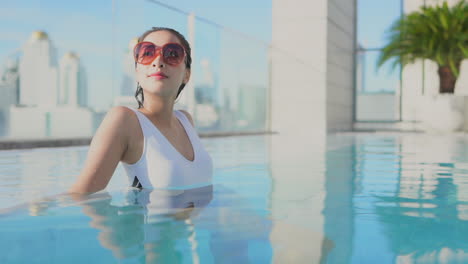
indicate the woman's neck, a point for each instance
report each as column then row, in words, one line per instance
column 159, row 110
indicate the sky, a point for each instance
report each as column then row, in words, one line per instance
column 374, row 19
column 100, row 35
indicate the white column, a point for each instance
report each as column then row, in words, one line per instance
column 298, row 113
column 298, row 70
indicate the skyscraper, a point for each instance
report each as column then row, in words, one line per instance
column 128, row 85
column 38, row 71
column 73, row 88
column 9, row 82
column 205, row 90
column 46, row 109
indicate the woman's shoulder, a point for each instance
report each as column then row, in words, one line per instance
column 121, row 115
column 189, row 117
column 120, row 112
column 119, row 123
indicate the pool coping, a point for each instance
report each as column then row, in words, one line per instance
column 8, row 144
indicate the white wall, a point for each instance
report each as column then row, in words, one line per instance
column 51, row 122
column 27, row 122
column 312, row 84
column 312, row 75
column 298, row 113
column 340, row 64
column 298, row 70
column 379, row 106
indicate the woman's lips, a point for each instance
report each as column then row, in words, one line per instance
column 158, row 75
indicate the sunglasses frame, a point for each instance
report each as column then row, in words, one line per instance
column 158, row 50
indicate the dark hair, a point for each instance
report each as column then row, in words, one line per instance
column 188, row 58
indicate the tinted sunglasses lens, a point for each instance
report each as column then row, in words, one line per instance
column 173, row 54
column 145, row 52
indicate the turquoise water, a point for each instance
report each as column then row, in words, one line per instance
column 352, row 198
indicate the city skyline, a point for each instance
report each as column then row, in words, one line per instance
column 46, row 84
column 43, row 80
column 111, row 20
column 42, row 93
column 101, row 34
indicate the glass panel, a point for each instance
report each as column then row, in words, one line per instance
column 371, row 79
column 243, row 83
column 374, row 18
column 59, row 79
column 205, row 76
column 377, row 89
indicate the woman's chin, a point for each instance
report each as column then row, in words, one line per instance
column 158, row 91
column 154, row 88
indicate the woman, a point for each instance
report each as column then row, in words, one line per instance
column 158, row 147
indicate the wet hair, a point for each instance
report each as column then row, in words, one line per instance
column 188, row 58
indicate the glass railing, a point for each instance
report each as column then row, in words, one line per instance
column 59, row 80
column 377, row 91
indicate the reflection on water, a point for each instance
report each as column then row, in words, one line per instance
column 410, row 219
column 145, row 226
column 202, row 225
column 150, row 225
column 362, row 198
column 401, row 199
column 298, row 176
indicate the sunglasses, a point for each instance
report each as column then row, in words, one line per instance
column 172, row 53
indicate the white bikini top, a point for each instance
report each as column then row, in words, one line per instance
column 161, row 165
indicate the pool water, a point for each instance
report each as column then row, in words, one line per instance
column 352, row 198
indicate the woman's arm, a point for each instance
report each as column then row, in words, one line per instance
column 107, row 148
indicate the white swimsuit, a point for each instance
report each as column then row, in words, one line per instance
column 162, row 166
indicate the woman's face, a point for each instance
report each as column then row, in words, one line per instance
column 167, row 86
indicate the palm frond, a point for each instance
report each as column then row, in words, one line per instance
column 438, row 33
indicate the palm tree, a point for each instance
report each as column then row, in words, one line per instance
column 437, row 33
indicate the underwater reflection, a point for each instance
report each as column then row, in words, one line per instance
column 180, row 226
column 431, row 225
column 150, row 225
column 200, row 225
